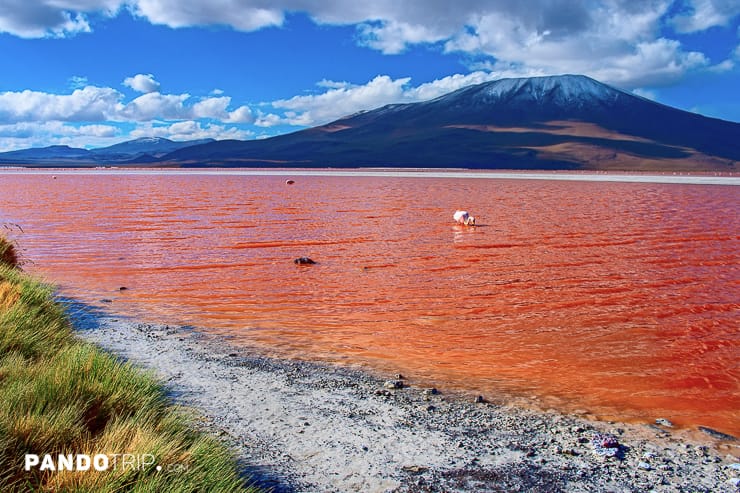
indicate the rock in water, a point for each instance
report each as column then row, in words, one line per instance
column 717, row 434
column 303, row 261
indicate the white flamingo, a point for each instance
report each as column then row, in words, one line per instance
column 463, row 217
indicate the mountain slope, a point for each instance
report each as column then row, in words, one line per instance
column 567, row 122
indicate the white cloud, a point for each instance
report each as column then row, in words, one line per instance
column 215, row 108
column 703, row 14
column 142, row 83
column 239, row 14
column 439, row 87
column 646, row 93
column 35, row 134
column 78, row 82
column 392, row 37
column 89, row 115
column 99, row 104
column 51, row 18
column 333, row 84
column 190, row 130
column 240, row 115
column 267, row 120
column 155, row 105
column 723, row 66
column 597, row 38
column 652, row 63
column 342, row 99
column 92, row 104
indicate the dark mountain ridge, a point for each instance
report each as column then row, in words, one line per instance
column 139, row 150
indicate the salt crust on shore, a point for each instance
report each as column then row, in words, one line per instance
column 302, row 426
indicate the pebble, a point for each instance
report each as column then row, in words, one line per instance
column 664, row 422
column 479, row 399
column 644, row 465
column 393, row 384
column 431, row 391
column 702, row 450
column 605, row 445
column 735, row 466
column 734, row 481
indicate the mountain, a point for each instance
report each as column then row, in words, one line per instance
column 61, row 154
column 151, row 146
column 143, row 150
column 557, row 122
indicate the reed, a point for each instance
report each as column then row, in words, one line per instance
column 60, row 395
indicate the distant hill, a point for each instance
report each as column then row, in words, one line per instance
column 146, row 149
column 558, row 122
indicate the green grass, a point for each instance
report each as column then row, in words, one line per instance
column 59, row 395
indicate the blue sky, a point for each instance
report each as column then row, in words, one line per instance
column 89, row 73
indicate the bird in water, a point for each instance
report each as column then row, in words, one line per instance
column 463, row 217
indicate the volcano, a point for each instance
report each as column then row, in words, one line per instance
column 557, row 122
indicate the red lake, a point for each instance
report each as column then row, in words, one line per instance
column 619, row 299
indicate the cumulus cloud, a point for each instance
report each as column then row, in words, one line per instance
column 155, row 105
column 91, row 104
column 142, row 83
column 103, row 104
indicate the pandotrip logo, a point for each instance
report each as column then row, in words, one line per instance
column 96, row 462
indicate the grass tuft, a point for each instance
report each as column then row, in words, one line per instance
column 60, row 395
column 8, row 253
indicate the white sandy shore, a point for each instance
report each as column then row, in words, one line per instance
column 593, row 176
column 301, row 426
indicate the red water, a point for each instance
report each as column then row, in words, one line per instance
column 620, row 299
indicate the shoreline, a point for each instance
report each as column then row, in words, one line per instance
column 305, row 426
column 729, row 178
